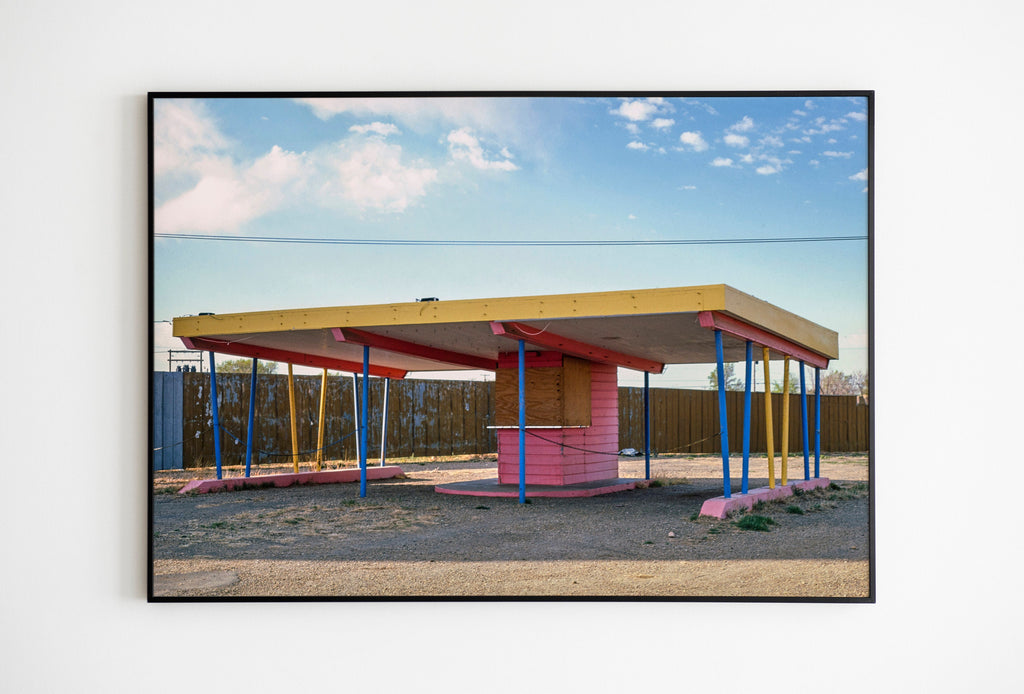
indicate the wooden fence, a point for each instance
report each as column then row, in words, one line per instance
column 686, row 421
column 427, row 418
column 424, row 418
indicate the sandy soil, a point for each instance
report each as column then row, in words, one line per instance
column 405, row 540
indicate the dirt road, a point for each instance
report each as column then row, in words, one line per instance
column 406, row 540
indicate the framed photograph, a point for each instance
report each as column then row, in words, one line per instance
column 511, row 346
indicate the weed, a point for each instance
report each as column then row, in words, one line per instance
column 483, row 508
column 793, row 508
column 797, row 491
column 758, row 505
column 648, row 542
column 834, row 486
column 714, row 530
column 668, row 481
column 695, row 515
column 754, row 522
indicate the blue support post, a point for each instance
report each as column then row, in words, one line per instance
column 803, row 413
column 355, row 411
column 522, row 422
column 723, row 416
column 817, row 422
column 216, row 415
column 647, row 425
column 252, row 418
column 746, row 417
column 364, row 421
column 384, row 422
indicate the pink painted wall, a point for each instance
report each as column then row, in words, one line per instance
column 550, row 463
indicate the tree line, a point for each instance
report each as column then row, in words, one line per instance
column 832, row 382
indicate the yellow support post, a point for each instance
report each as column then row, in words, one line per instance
column 785, row 420
column 769, row 430
column 291, row 414
column 320, row 422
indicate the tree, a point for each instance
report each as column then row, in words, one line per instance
column 794, row 383
column 839, row 383
column 244, row 366
column 732, row 381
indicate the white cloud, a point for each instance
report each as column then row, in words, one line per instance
column 185, row 137
column 861, row 175
column 374, row 177
column 632, row 216
column 837, row 155
column 276, row 168
column 700, row 104
column 465, row 146
column 632, row 128
column 418, row 112
column 800, row 113
column 637, row 145
column 376, row 128
column 734, row 140
column 824, row 127
column 694, row 140
column 662, row 123
column 856, row 115
column 809, row 104
column 772, row 141
column 814, row 162
column 745, row 124
column 687, row 187
column 747, row 158
column 639, row 110
column 224, row 200
column 208, row 189
column 768, row 170
column 722, row 161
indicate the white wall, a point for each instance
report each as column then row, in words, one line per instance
column 73, row 277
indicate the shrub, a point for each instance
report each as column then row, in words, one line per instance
column 754, row 522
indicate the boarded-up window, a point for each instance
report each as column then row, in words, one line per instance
column 555, row 395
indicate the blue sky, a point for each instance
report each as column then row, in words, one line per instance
column 543, row 168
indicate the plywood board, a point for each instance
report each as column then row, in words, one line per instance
column 576, row 404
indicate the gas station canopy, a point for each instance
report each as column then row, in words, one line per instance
column 643, row 329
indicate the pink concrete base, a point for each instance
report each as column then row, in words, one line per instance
column 720, row 507
column 288, row 479
column 493, row 488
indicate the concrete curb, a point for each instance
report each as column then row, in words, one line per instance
column 289, row 479
column 720, row 507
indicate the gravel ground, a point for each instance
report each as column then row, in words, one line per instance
column 405, row 540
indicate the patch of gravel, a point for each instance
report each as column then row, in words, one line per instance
column 404, row 539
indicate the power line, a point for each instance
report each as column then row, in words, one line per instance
column 504, row 242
